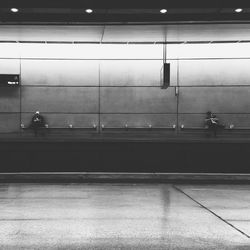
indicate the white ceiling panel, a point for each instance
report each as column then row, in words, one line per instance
column 51, row 33
column 125, row 33
column 134, row 33
column 208, row 32
column 177, row 33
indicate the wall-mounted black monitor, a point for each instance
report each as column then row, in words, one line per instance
column 9, row 80
column 165, row 76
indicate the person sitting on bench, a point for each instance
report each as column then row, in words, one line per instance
column 37, row 122
column 212, row 123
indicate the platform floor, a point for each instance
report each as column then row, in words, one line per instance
column 124, row 216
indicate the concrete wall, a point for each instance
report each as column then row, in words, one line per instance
column 118, row 84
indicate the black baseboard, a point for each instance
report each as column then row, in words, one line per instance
column 125, row 156
column 90, row 177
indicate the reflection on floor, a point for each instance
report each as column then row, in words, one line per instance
column 124, row 216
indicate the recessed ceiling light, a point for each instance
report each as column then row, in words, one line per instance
column 238, row 10
column 14, row 10
column 89, row 11
column 163, row 11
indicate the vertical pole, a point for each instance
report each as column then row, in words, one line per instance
column 165, row 46
column 177, row 108
column 99, row 88
column 20, row 89
column 99, row 99
column 165, row 67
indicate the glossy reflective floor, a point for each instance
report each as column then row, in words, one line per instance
column 124, row 216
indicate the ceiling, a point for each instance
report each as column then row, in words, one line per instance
column 171, row 33
column 123, row 11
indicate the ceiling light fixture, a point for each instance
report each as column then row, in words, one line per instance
column 163, row 11
column 238, row 10
column 14, row 10
column 89, row 11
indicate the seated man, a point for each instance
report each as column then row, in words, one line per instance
column 212, row 123
column 37, row 122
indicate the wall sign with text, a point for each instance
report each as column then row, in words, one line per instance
column 9, row 80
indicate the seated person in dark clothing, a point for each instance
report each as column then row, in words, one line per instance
column 37, row 122
column 212, row 123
